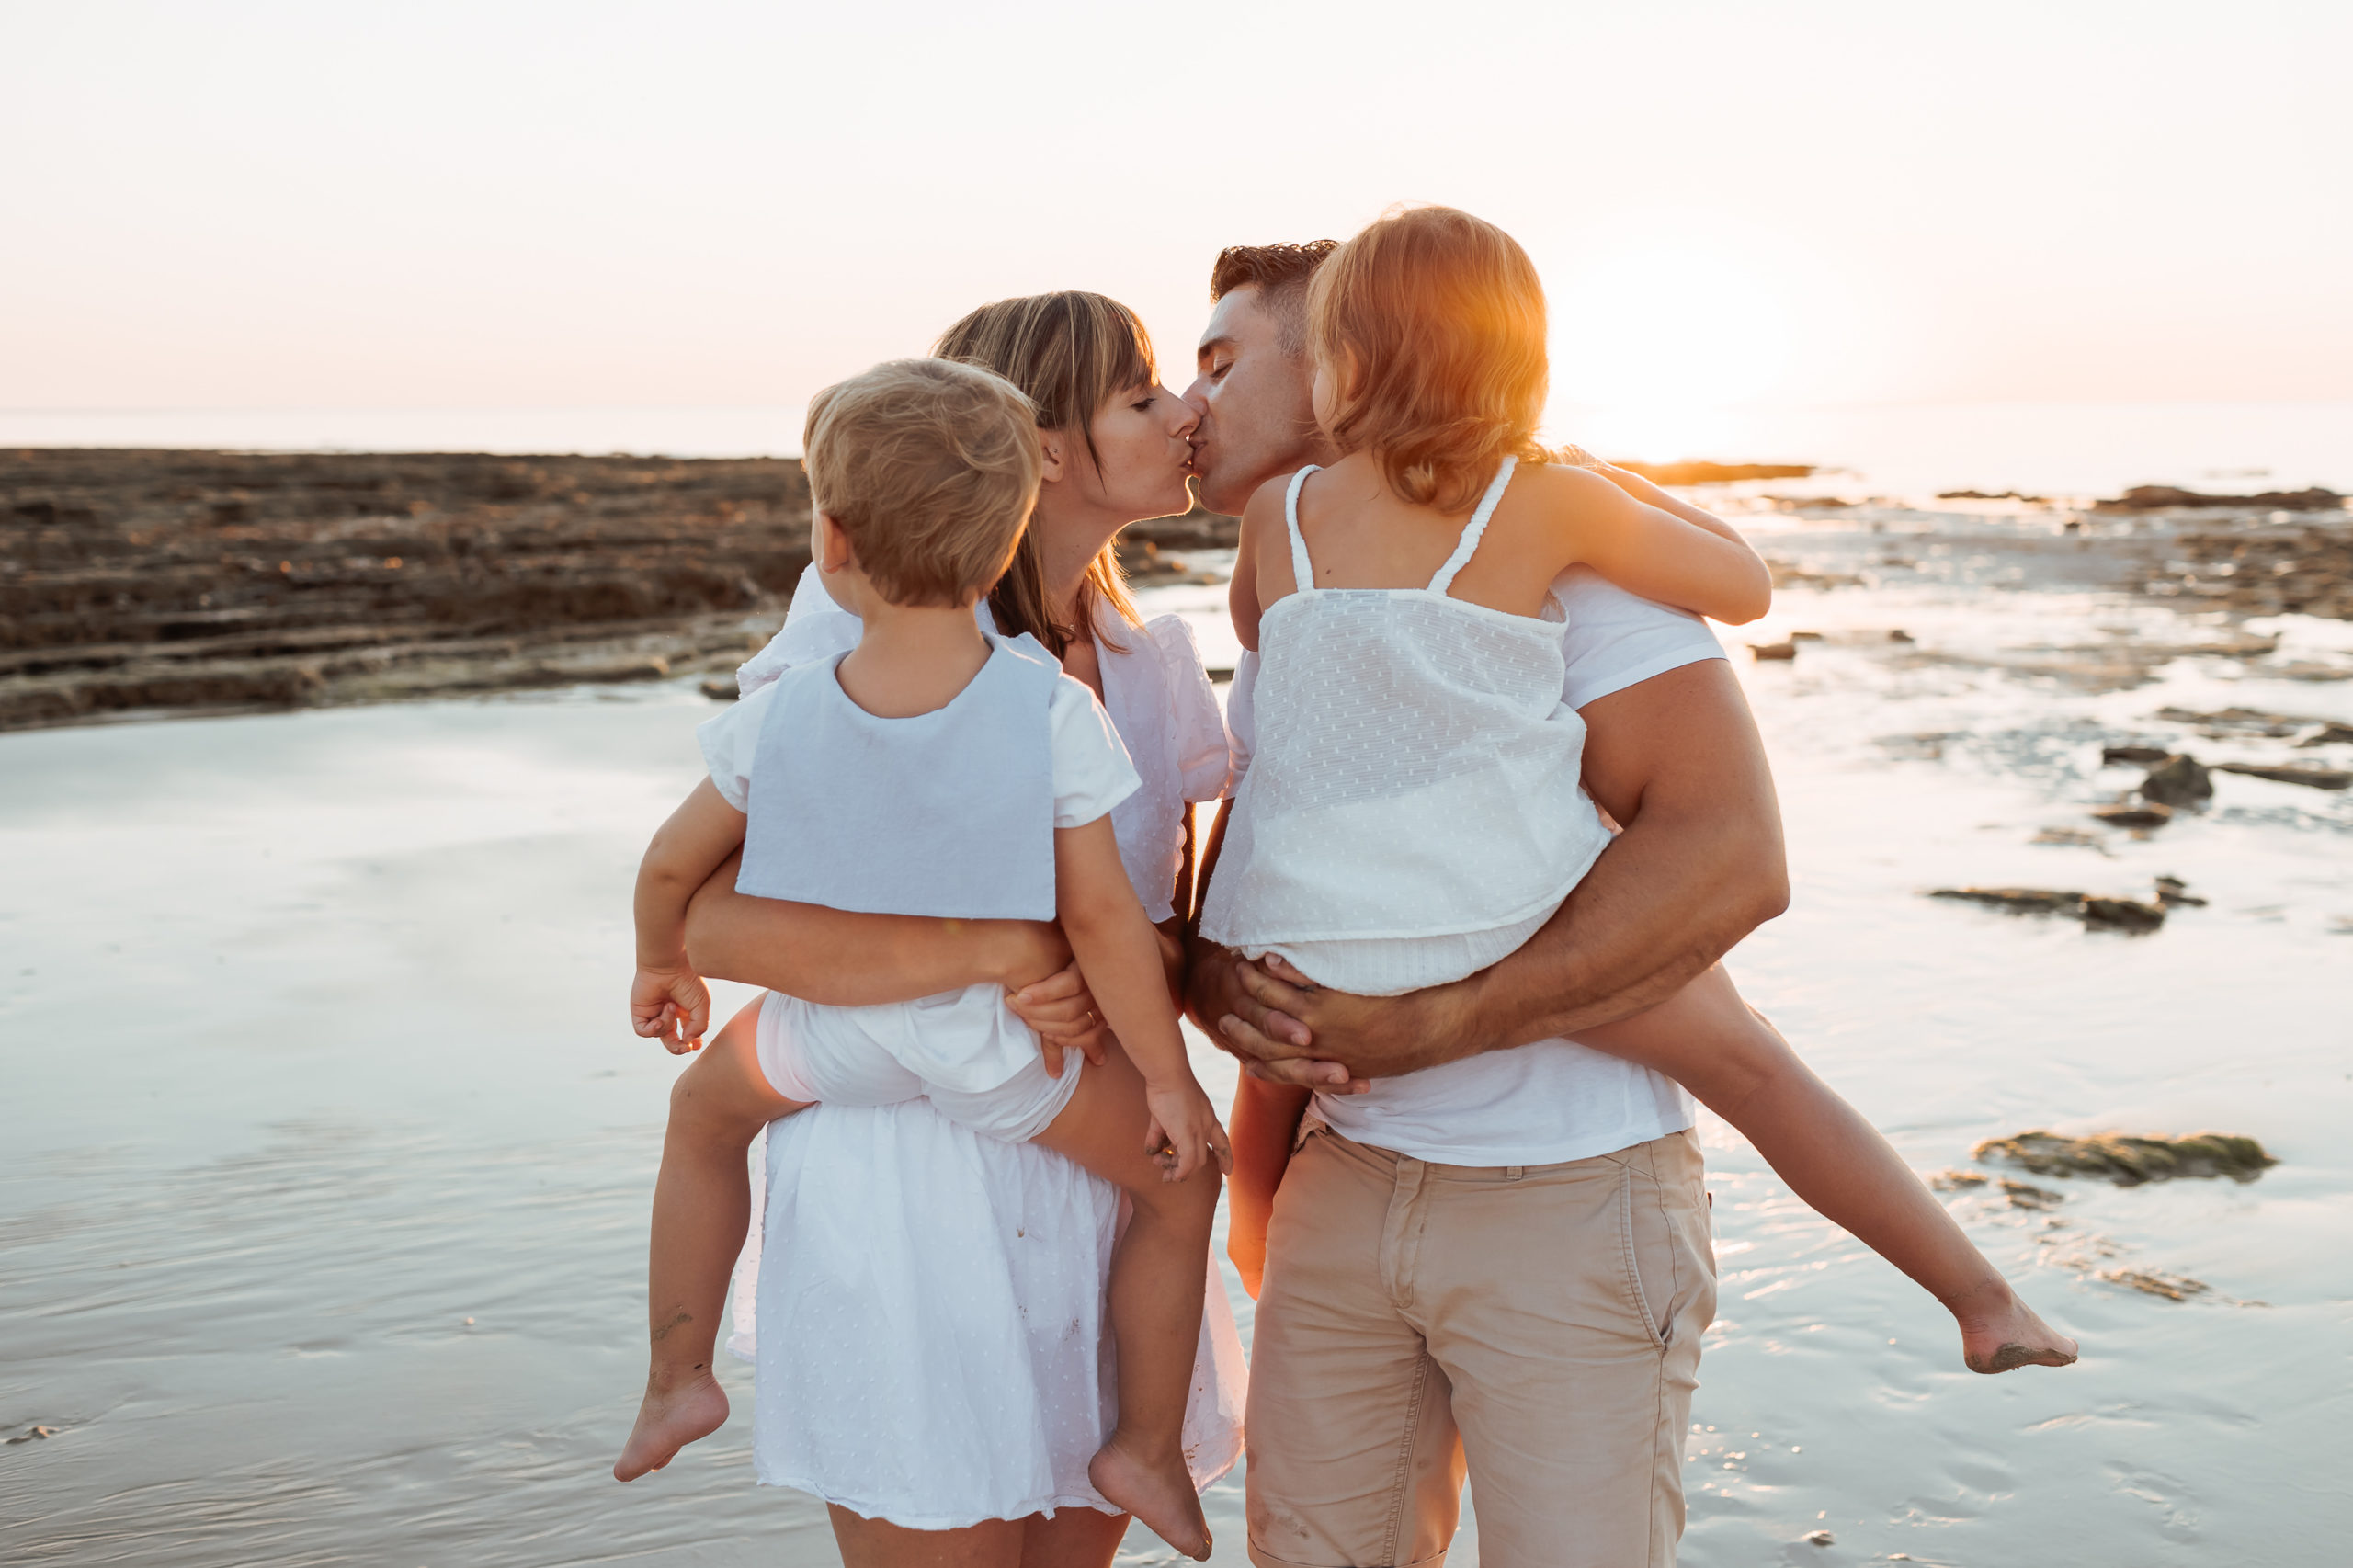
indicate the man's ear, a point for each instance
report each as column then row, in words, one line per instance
column 831, row 545
column 1050, row 449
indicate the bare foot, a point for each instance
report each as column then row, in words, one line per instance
column 668, row 1420
column 1162, row 1495
column 2004, row 1333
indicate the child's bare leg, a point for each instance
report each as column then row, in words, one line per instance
column 1157, row 1279
column 1738, row 1065
column 702, row 1205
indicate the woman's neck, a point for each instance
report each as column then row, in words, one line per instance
column 1067, row 546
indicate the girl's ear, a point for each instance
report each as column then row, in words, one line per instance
column 1050, row 447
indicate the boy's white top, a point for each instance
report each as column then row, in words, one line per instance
column 1553, row 1100
column 950, row 812
column 875, row 814
column 1154, row 688
column 1413, row 813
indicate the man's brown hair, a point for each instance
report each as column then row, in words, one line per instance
column 1280, row 274
column 931, row 469
column 1431, row 323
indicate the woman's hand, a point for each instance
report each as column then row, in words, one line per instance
column 1061, row 1009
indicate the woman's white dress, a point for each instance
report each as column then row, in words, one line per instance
column 924, row 1305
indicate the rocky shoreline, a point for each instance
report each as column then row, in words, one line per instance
column 135, row 581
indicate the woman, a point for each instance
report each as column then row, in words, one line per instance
column 945, row 1408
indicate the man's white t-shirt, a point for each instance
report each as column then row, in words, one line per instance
column 1551, row 1101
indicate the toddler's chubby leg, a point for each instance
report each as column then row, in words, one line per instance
column 1738, row 1065
column 1157, row 1281
column 702, row 1205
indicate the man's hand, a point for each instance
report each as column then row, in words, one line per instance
column 1365, row 1037
column 1255, row 1016
column 1062, row 1010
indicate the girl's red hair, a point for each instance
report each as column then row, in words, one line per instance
column 1431, row 323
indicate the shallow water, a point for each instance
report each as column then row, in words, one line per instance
column 321, row 1236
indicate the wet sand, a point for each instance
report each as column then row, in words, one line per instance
column 321, row 1236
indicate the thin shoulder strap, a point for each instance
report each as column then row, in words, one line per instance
column 1303, row 575
column 1474, row 530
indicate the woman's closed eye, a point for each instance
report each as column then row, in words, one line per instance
column 1147, row 404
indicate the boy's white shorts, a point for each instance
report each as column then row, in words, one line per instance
column 816, row 1053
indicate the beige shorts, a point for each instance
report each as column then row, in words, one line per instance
column 1540, row 1323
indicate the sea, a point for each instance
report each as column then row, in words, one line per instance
column 329, row 1149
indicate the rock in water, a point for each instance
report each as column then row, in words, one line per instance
column 2018, row 901
column 1774, row 650
column 2123, row 914
column 2302, row 773
column 2128, row 1161
column 2131, row 753
column 2179, row 780
column 2149, row 815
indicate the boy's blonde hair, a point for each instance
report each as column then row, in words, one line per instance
column 931, row 469
column 1431, row 323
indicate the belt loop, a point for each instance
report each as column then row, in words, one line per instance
column 1512, row 1173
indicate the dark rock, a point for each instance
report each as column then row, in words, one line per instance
column 1989, row 496
column 2178, row 781
column 2123, row 914
column 1822, row 1538
column 721, row 689
column 2174, row 894
column 2018, row 901
column 2148, row 1281
column 2160, row 498
column 2304, row 773
column 2110, row 756
column 2145, row 816
column 2129, row 1161
column 2331, row 735
column 1774, row 650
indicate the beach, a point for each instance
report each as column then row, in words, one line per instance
column 323, row 1236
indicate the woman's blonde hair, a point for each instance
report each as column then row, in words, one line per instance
column 1070, row 353
column 930, row 469
column 1431, row 324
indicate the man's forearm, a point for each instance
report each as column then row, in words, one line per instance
column 848, row 959
column 1666, row 899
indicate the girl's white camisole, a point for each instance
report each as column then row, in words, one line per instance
column 1412, row 810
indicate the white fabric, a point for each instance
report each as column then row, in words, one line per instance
column 825, row 1061
column 1554, row 1100
column 967, row 1041
column 932, row 1343
column 1093, row 773
column 923, row 1303
column 1154, row 688
column 1413, row 813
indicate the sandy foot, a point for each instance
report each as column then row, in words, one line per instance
column 668, row 1421
column 1162, row 1497
column 2009, row 1336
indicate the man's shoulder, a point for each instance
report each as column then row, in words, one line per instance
column 1611, row 639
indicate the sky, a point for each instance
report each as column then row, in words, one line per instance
column 527, row 205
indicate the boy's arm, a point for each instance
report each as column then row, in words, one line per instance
column 1121, row 953
column 666, row 1000
column 1266, row 1120
column 845, row 960
column 1648, row 551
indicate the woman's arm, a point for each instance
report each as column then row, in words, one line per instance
column 1266, row 1120
column 846, row 959
column 1700, row 564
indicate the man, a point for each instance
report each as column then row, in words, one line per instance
column 1518, row 1275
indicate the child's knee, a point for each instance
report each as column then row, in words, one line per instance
column 1191, row 1204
